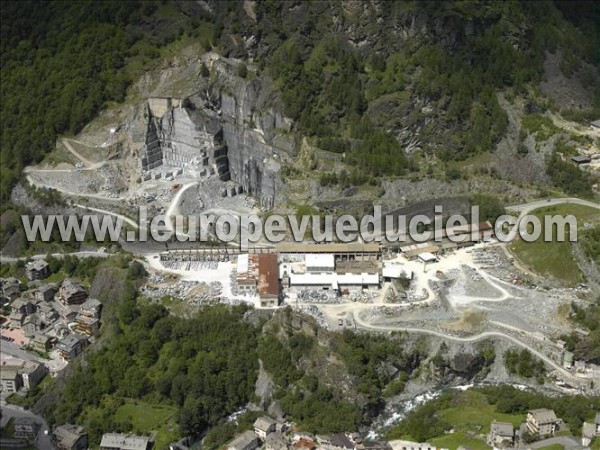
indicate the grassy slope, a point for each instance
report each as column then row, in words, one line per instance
column 470, row 417
column 555, row 258
column 147, row 418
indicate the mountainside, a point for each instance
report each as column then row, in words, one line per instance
column 392, row 87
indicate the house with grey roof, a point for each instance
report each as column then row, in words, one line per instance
column 248, row 440
column 542, row 422
column 11, row 287
column 115, row 441
column 70, row 437
column 45, row 293
column 276, row 441
column 71, row 346
column 37, row 269
column 263, row 426
column 501, row 435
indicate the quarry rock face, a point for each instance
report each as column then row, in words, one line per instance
column 230, row 129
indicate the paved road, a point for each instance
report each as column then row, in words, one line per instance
column 43, row 440
column 82, row 254
column 568, row 442
column 126, row 219
column 526, row 208
column 477, row 337
column 14, row 350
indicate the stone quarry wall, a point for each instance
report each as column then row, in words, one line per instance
column 230, row 128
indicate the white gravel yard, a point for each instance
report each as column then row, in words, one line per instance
column 221, row 273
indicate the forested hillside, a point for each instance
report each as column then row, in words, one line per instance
column 63, row 61
column 375, row 80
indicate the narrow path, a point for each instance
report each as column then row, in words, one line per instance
column 474, row 338
column 78, row 155
column 110, row 213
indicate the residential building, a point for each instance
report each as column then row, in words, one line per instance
column 45, row 293
column 374, row 445
column 114, row 441
column 588, row 432
column 40, row 342
column 70, row 437
column 32, row 373
column 22, row 305
column 245, row 441
column 263, row 426
column 10, row 379
column 31, row 325
column 86, row 325
column 91, row 308
column 16, row 319
column 341, row 442
column 25, row 428
column 71, row 346
column 11, row 288
column 37, row 270
column 542, row 421
column 501, row 435
column 276, row 441
column 268, row 280
column 71, row 293
column 409, row 445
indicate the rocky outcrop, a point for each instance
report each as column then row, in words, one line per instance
column 231, row 128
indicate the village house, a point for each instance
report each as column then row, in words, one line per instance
column 263, row 426
column 40, row 342
column 11, row 288
column 501, row 435
column 45, row 293
column 276, row 441
column 409, row 445
column 71, row 346
column 32, row 373
column 245, row 441
column 37, row 270
column 91, row 308
column 374, row 445
column 22, row 374
column 22, row 305
column 341, row 442
column 71, row 293
column 25, row 428
column 70, row 437
column 86, row 325
column 114, row 441
column 542, row 422
column 10, row 379
column 31, row 325
column 590, row 431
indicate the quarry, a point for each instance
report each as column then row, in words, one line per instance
column 221, row 146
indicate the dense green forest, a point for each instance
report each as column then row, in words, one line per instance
column 63, row 61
